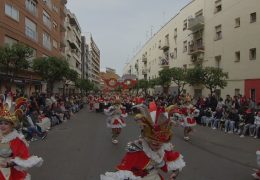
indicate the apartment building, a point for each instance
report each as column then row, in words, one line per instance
column 84, row 57
column 216, row 33
column 38, row 24
column 94, row 61
column 73, row 42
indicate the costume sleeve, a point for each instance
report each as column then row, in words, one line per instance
column 173, row 161
column 131, row 167
column 21, row 156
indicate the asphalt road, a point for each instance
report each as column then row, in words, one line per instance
column 81, row 149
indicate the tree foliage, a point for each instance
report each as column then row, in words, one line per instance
column 51, row 69
column 214, row 78
column 179, row 77
column 14, row 58
column 84, row 85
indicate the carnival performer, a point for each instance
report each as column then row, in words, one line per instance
column 256, row 175
column 116, row 119
column 14, row 153
column 150, row 153
column 91, row 102
column 188, row 112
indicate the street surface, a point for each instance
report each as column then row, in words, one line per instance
column 81, row 149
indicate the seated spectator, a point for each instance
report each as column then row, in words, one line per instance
column 249, row 121
column 254, row 130
column 217, row 117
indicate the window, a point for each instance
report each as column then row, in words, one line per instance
column 12, row 12
column 30, row 29
column 175, row 53
column 185, row 46
column 237, row 22
column 252, row 54
column 253, row 17
column 10, row 41
column 48, row 3
column 46, row 19
column 54, row 24
column 175, row 33
column 199, row 13
column 54, row 7
column 217, row 60
column 237, row 92
column 218, row 6
column 218, row 32
column 237, row 56
column 54, row 44
column 185, row 24
column 31, row 6
column 46, row 40
column 34, row 52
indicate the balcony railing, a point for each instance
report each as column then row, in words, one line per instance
column 164, row 63
column 195, row 23
column 165, row 46
column 144, row 71
column 144, row 58
column 193, row 49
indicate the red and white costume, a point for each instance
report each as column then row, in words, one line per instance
column 14, row 148
column 140, row 162
column 256, row 175
column 117, row 115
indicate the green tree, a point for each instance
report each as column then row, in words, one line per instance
column 213, row 78
column 154, row 82
column 70, row 76
column 51, row 69
column 195, row 76
column 179, row 77
column 165, row 79
column 14, row 58
column 143, row 84
column 84, row 85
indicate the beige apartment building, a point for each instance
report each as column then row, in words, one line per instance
column 93, row 60
column 73, row 42
column 38, row 24
column 216, row 33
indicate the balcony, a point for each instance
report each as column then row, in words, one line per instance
column 144, row 71
column 144, row 58
column 165, row 46
column 197, row 58
column 164, row 63
column 196, row 49
column 195, row 23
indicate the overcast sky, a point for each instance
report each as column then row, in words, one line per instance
column 120, row 27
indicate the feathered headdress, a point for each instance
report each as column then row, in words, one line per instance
column 156, row 129
column 8, row 112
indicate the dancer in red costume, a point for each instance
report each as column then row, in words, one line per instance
column 116, row 119
column 256, row 175
column 14, row 153
column 152, row 152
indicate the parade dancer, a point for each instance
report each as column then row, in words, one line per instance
column 14, row 153
column 116, row 120
column 150, row 153
column 188, row 121
column 256, row 175
column 91, row 102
